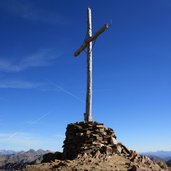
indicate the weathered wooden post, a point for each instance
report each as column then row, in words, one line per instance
column 88, row 44
column 88, row 113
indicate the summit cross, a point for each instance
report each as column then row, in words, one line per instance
column 88, row 44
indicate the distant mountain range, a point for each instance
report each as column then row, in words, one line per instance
column 7, row 152
column 160, row 156
column 18, row 160
column 163, row 155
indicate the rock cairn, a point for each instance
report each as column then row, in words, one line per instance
column 87, row 137
column 91, row 146
column 92, row 139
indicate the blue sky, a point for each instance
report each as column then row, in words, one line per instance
column 42, row 85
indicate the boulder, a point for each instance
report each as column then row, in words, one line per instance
column 52, row 157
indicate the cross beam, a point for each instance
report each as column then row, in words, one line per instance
column 92, row 38
column 88, row 44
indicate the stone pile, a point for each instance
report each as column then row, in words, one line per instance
column 92, row 139
column 87, row 137
column 90, row 146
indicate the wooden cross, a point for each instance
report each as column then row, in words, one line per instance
column 88, row 44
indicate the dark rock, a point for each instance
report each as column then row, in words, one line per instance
column 52, row 157
column 106, row 150
column 134, row 168
column 168, row 163
column 60, row 164
column 162, row 164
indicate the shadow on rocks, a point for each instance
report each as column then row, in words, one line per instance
column 52, row 157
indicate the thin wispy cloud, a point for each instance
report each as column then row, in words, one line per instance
column 69, row 93
column 10, row 136
column 18, row 138
column 39, row 59
column 31, row 11
column 36, row 121
column 42, row 86
column 19, row 84
column 25, row 141
column 56, row 87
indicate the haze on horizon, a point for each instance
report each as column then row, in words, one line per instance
column 42, row 85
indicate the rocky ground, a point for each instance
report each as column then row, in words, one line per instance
column 92, row 147
column 98, row 162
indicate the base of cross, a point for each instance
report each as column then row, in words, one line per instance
column 88, row 118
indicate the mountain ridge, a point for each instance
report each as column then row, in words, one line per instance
column 17, row 160
column 164, row 155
